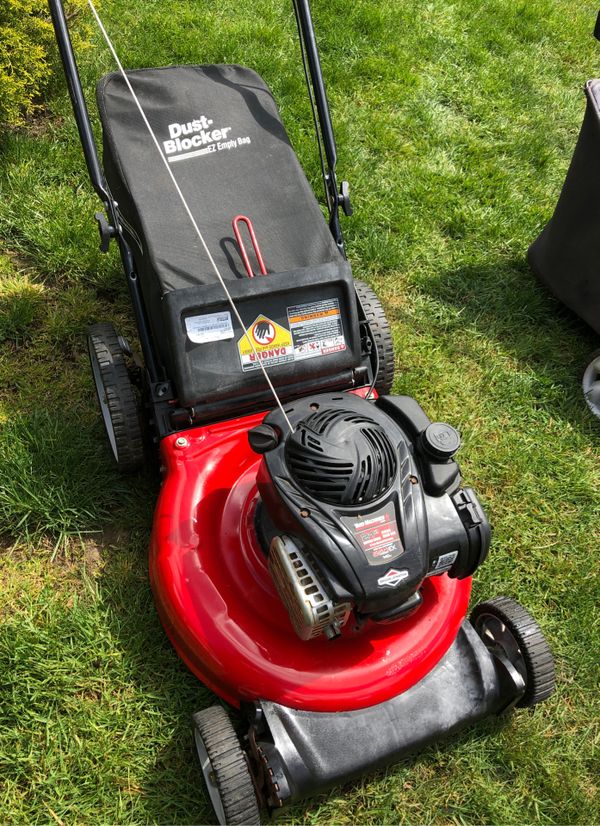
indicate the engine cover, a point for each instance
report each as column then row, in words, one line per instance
column 368, row 496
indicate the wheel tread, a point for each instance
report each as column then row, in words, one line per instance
column 539, row 662
column 229, row 764
column 121, row 401
column 380, row 328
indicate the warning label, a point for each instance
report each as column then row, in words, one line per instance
column 316, row 328
column 377, row 534
column 272, row 344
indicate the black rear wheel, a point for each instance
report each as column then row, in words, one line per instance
column 225, row 768
column 509, row 630
column 382, row 335
column 116, row 396
column 591, row 383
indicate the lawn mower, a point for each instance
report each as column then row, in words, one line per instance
column 313, row 544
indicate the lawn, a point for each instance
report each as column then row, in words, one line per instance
column 455, row 125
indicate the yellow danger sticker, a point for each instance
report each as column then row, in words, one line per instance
column 272, row 344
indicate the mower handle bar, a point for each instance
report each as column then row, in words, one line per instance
column 90, row 152
column 80, row 110
column 86, row 135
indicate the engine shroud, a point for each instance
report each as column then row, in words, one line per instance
column 341, row 457
column 369, row 495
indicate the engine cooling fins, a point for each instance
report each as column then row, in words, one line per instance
column 341, row 457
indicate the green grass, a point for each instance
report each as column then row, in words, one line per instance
column 455, row 125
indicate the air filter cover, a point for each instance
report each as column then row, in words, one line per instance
column 341, row 457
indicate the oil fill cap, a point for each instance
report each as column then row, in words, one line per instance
column 440, row 441
column 263, row 438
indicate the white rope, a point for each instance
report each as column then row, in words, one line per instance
column 188, row 211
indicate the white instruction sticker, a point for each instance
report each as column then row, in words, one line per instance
column 316, row 328
column 211, row 327
column 445, row 562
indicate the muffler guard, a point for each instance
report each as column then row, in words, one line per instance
column 303, row 752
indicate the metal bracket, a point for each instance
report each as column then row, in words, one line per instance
column 343, row 199
column 105, row 230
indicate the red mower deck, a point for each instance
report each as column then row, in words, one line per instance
column 223, row 615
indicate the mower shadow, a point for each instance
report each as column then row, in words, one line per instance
column 232, row 255
column 171, row 789
column 504, row 302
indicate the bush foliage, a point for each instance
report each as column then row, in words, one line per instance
column 25, row 40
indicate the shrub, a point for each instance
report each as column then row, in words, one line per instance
column 26, row 37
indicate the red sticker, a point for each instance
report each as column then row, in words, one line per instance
column 378, row 535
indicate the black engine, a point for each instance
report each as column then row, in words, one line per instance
column 360, row 504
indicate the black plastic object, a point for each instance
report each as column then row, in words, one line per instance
column 478, row 531
column 341, row 457
column 438, row 476
column 291, row 304
column 306, row 752
column 440, row 441
column 283, row 187
column 381, row 333
column 508, row 630
column 566, row 254
column 597, row 27
column 346, row 487
column 105, row 231
column 117, row 397
column 225, row 769
column 262, row 438
column 401, row 612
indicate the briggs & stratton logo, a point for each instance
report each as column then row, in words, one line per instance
column 392, row 578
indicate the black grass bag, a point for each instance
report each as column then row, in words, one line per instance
column 566, row 254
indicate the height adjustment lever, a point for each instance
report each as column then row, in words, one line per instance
column 105, row 230
column 344, row 199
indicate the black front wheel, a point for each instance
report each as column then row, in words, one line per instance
column 116, row 396
column 508, row 630
column 225, row 768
